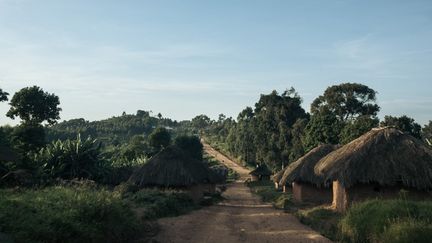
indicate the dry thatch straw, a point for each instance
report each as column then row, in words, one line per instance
column 173, row 168
column 385, row 156
column 278, row 176
column 302, row 170
column 261, row 170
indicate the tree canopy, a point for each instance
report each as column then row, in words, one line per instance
column 3, row 96
column 347, row 101
column 403, row 123
column 33, row 105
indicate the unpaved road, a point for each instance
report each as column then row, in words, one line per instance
column 242, row 217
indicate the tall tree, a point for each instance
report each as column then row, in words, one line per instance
column 33, row 105
column 347, row 101
column 356, row 128
column 342, row 113
column 404, row 123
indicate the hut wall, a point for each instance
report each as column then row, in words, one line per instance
column 196, row 192
column 340, row 197
column 343, row 198
column 265, row 178
column 305, row 192
column 254, row 178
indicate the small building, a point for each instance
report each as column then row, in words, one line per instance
column 172, row 168
column 260, row 173
column 306, row 185
column 378, row 164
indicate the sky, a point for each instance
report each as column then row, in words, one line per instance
column 183, row 58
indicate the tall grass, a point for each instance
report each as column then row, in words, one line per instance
column 66, row 214
column 388, row 221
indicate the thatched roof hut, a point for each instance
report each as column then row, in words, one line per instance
column 173, row 168
column 385, row 156
column 302, row 170
column 261, row 172
column 277, row 177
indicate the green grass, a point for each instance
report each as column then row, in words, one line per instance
column 66, row 214
column 212, row 161
column 325, row 221
column 153, row 204
column 388, row 221
column 267, row 192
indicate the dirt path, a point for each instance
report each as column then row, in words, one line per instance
column 242, row 217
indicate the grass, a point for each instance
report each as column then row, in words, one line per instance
column 211, row 161
column 267, row 192
column 86, row 213
column 66, row 214
column 153, row 204
column 321, row 219
column 388, row 221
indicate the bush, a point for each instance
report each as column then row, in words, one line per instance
column 407, row 232
column 156, row 204
column 323, row 220
column 71, row 159
column 367, row 221
column 66, row 214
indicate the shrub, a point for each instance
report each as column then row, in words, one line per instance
column 367, row 221
column 156, row 204
column 71, row 159
column 66, row 214
column 323, row 220
column 407, row 232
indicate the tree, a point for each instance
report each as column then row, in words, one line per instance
column 34, row 106
column 427, row 133
column 191, row 145
column 323, row 128
column 356, row 128
column 404, row 123
column 347, row 101
column 160, row 138
column 3, row 95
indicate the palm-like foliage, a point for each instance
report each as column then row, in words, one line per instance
column 71, row 159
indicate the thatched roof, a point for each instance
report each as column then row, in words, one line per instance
column 261, row 170
column 385, row 156
column 302, row 170
column 172, row 167
column 277, row 177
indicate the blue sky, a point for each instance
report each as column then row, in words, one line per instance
column 183, row 58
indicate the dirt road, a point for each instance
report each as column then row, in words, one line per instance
column 242, row 217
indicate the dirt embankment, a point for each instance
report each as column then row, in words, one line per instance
column 242, row 217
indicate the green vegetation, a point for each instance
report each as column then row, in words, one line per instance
column 267, row 192
column 388, row 221
column 66, row 214
column 373, row 221
column 323, row 220
column 154, row 203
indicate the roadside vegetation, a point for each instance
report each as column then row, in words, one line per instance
column 266, row 191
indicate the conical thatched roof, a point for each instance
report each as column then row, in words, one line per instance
column 302, row 170
column 172, row 167
column 261, row 170
column 385, row 156
column 278, row 176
